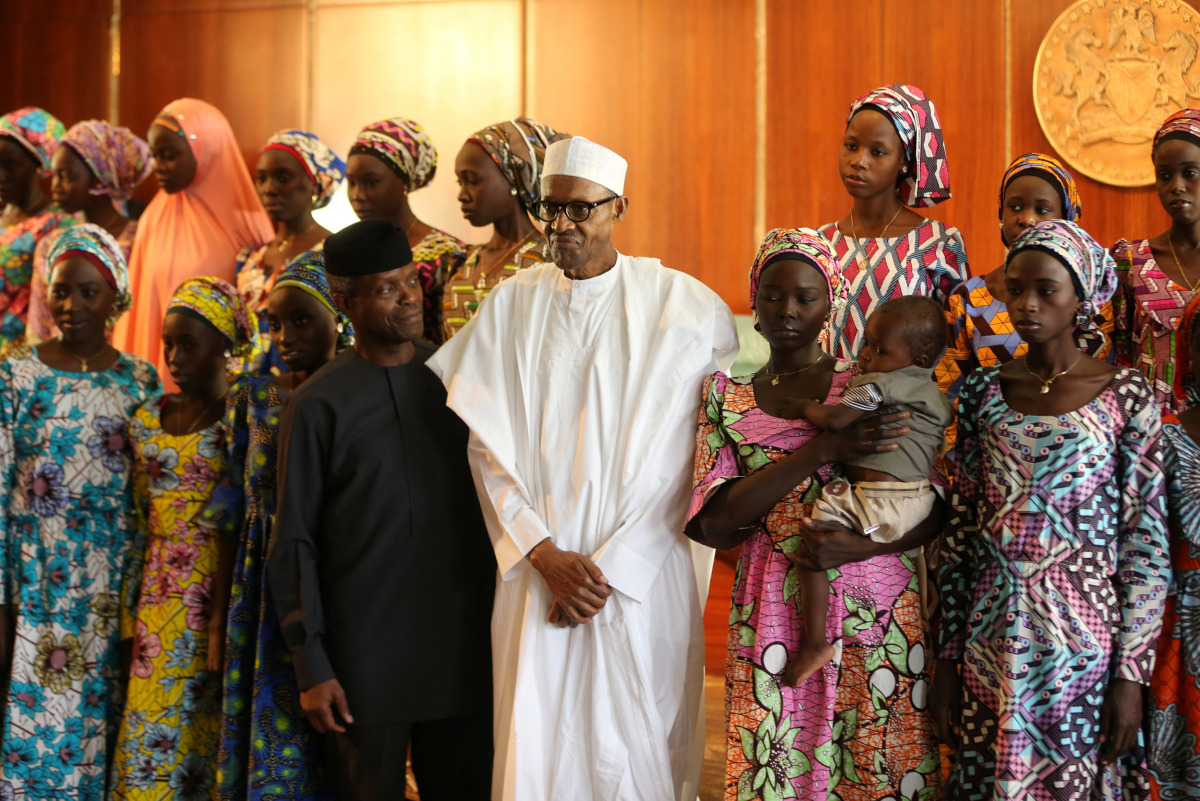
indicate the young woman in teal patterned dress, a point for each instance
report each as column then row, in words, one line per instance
column 65, row 527
column 268, row 748
column 1056, row 555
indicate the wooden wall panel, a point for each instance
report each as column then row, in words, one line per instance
column 951, row 49
column 1109, row 212
column 417, row 60
column 250, row 62
column 56, row 55
column 670, row 86
column 667, row 83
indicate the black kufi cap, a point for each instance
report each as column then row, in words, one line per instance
column 367, row 247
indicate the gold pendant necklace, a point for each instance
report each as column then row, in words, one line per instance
column 859, row 254
column 83, row 361
column 1179, row 265
column 776, row 376
column 1046, row 382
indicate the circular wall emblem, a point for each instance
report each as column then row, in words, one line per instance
column 1107, row 74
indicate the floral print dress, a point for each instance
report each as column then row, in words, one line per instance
column 860, row 728
column 17, row 246
column 268, row 750
column 65, row 532
column 168, row 741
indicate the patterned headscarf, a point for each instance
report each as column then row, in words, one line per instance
column 519, row 147
column 220, row 304
column 97, row 246
column 1183, row 124
column 808, row 245
column 36, row 130
column 927, row 181
column 307, row 273
column 1187, row 387
column 404, row 146
column 1092, row 268
column 320, row 163
column 1049, row 169
column 119, row 159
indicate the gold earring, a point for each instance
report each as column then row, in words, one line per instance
column 513, row 191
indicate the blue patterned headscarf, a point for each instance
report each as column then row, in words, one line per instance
column 1092, row 269
column 1051, row 170
column 307, row 273
column 97, row 246
column 320, row 163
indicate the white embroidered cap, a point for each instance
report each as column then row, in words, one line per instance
column 582, row 158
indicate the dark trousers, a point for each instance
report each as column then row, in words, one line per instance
column 451, row 759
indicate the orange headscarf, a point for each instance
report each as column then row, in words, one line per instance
column 195, row 232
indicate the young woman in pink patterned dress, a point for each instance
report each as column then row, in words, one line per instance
column 1158, row 275
column 858, row 729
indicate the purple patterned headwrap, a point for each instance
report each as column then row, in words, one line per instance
column 1052, row 171
column 803, row 244
column 1092, row 268
column 404, row 146
column 927, row 181
column 119, row 159
column 1183, row 124
column 36, row 130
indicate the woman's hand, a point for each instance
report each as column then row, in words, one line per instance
column 1120, row 719
column 945, row 702
column 866, row 437
column 826, row 544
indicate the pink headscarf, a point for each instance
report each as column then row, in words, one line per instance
column 195, row 232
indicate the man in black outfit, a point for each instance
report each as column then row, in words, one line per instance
column 381, row 567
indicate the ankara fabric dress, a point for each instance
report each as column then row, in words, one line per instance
column 1173, row 739
column 18, row 244
column 860, row 728
column 168, row 740
column 577, row 395
column 66, row 549
column 929, row 260
column 1147, row 309
column 1053, row 584
column 268, row 748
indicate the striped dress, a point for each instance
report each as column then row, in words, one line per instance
column 929, row 260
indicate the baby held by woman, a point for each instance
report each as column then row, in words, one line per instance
column 883, row 495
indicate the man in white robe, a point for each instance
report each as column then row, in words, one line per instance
column 580, row 382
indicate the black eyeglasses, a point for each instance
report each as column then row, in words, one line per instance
column 577, row 210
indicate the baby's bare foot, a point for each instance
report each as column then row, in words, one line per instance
column 808, row 660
